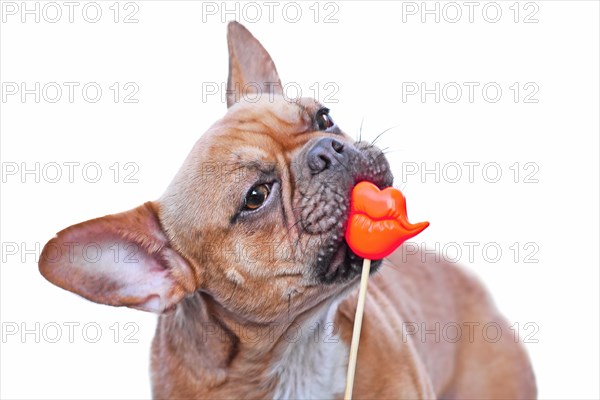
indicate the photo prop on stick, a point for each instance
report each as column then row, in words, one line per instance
column 376, row 227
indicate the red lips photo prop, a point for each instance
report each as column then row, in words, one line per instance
column 378, row 223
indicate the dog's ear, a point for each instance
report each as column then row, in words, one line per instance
column 251, row 69
column 121, row 260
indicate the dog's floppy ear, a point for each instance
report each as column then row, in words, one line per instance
column 121, row 260
column 251, row 69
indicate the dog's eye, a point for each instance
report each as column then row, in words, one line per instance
column 256, row 196
column 323, row 119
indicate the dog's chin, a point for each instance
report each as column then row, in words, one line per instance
column 343, row 267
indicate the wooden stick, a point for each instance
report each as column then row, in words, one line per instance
column 360, row 309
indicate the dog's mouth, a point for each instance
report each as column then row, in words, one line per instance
column 342, row 266
column 336, row 262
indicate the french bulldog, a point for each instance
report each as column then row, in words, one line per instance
column 244, row 259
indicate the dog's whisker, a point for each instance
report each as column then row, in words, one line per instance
column 288, row 232
column 382, row 133
column 344, row 165
column 362, row 121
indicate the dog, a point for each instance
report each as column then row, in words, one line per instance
column 244, row 259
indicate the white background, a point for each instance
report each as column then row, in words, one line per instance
column 371, row 53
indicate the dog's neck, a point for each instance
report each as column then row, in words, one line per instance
column 313, row 364
column 203, row 350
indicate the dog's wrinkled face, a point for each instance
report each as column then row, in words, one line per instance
column 255, row 218
column 261, row 205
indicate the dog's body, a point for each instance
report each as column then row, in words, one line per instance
column 261, row 289
column 398, row 359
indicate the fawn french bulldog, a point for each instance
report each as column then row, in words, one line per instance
column 244, row 259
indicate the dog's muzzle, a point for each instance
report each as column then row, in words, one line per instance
column 331, row 168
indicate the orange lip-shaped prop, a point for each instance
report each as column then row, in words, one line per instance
column 376, row 227
column 378, row 223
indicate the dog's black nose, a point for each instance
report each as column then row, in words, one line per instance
column 324, row 153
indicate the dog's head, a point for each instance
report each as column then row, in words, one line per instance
column 255, row 217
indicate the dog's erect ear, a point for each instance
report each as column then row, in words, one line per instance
column 251, row 69
column 120, row 260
